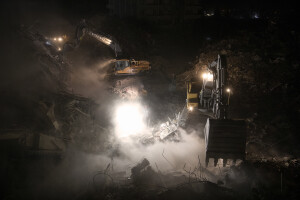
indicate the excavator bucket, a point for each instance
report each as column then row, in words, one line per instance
column 225, row 139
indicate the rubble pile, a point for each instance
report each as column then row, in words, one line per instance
column 147, row 183
column 52, row 63
column 58, row 118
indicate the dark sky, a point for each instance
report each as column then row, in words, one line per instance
column 13, row 8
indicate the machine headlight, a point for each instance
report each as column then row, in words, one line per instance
column 207, row 76
column 130, row 119
column 191, row 108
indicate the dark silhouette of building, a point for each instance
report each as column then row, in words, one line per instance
column 157, row 10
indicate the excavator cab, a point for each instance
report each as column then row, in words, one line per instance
column 206, row 94
column 131, row 67
column 121, row 65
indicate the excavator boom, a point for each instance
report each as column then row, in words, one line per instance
column 122, row 66
column 107, row 40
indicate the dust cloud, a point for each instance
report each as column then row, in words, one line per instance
column 167, row 155
column 90, row 81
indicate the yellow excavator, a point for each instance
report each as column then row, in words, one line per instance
column 224, row 138
column 122, row 66
column 131, row 67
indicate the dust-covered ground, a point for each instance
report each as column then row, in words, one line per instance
column 79, row 101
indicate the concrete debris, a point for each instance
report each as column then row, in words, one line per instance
column 50, row 113
column 149, row 184
column 129, row 88
column 140, row 167
column 69, row 118
column 29, row 143
column 169, row 129
column 55, row 112
column 130, row 92
column 53, row 64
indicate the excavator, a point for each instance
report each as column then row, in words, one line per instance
column 224, row 138
column 122, row 66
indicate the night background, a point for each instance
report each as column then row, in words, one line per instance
column 149, row 99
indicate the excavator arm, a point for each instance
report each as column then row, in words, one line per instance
column 216, row 87
column 122, row 66
column 83, row 29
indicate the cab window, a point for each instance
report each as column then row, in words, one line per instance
column 121, row 65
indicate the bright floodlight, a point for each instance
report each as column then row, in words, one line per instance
column 191, row 108
column 228, row 90
column 207, row 76
column 54, row 39
column 129, row 119
column 60, row 39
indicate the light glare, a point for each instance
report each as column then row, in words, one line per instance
column 207, row 76
column 130, row 119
